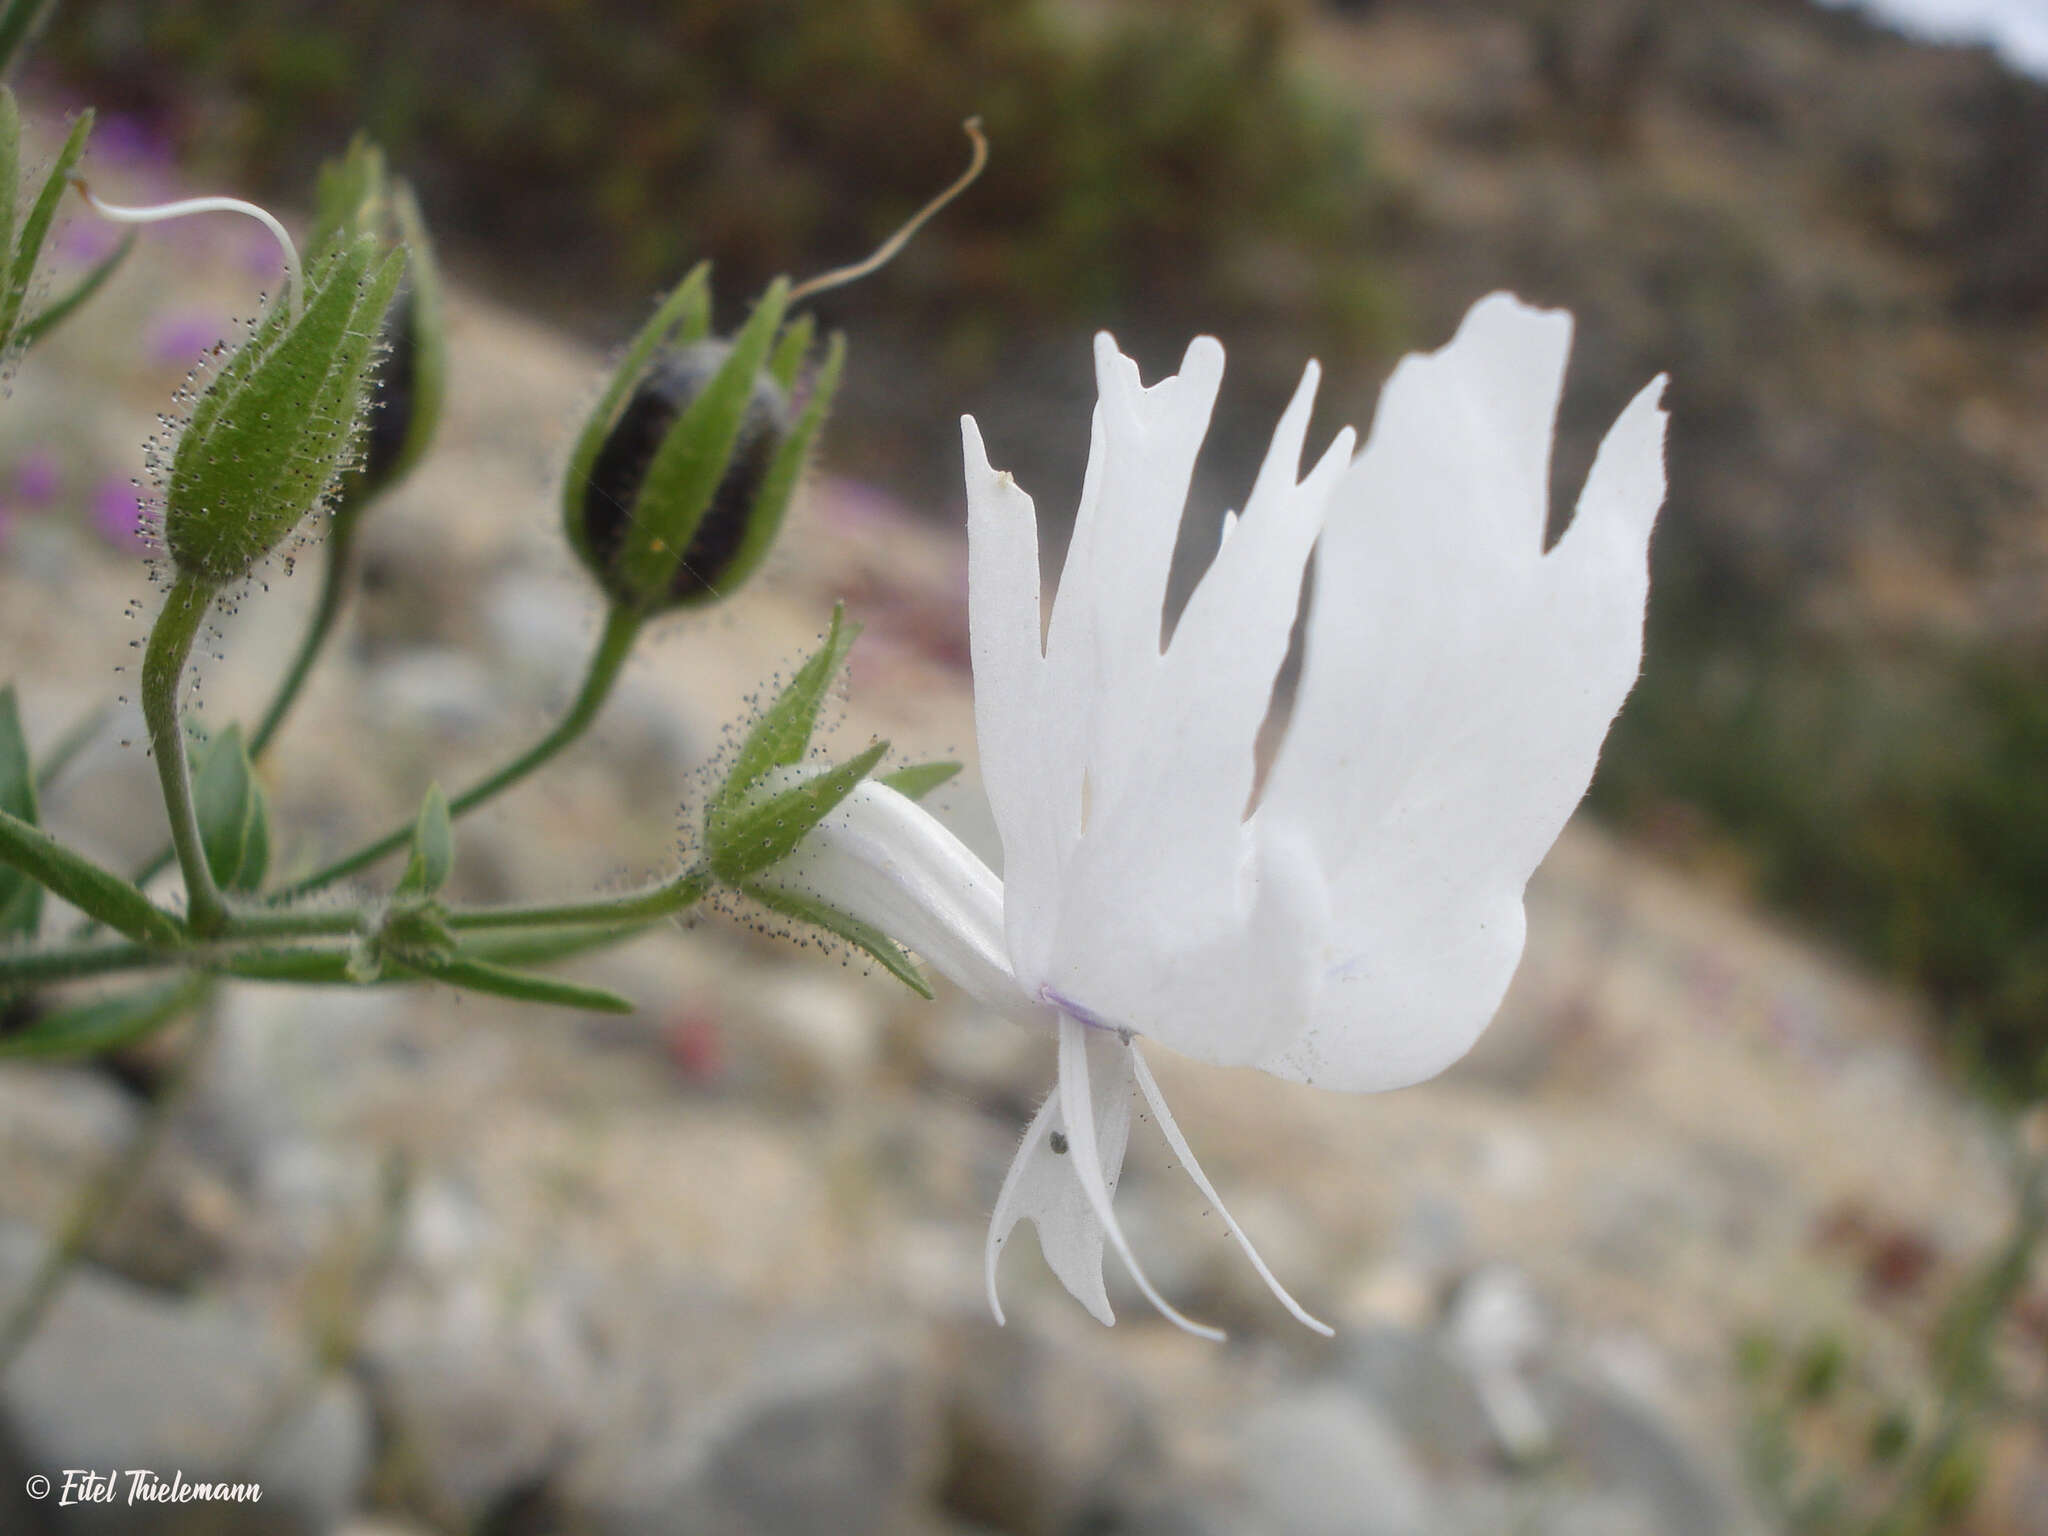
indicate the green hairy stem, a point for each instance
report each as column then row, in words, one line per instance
column 163, row 672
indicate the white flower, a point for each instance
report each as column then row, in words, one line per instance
column 1357, row 927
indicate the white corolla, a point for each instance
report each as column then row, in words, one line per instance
column 1355, row 924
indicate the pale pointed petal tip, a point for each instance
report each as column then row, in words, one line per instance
column 1203, row 361
column 971, row 447
column 1148, row 1085
column 1625, row 488
column 1076, row 1111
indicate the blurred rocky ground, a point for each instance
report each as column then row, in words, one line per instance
column 426, row 1263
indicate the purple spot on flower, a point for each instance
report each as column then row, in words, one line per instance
column 37, row 478
column 179, row 340
column 118, row 515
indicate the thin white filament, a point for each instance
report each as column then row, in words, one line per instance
column 1078, row 1110
column 1179, row 1143
column 1034, row 1133
column 191, row 205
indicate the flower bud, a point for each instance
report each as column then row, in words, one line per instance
column 664, row 393
column 271, row 433
column 679, row 483
column 406, row 387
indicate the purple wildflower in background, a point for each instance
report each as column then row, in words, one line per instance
column 118, row 515
column 123, row 139
column 37, row 478
column 179, row 339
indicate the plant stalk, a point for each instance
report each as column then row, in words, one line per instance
column 622, row 628
column 163, row 673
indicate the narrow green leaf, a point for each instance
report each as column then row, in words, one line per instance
column 224, row 799
column 522, row 986
column 545, row 945
column 693, row 456
column 783, row 733
column 919, row 779
column 433, row 848
column 684, row 316
column 92, row 1029
column 765, row 833
column 10, row 164
column 862, row 936
column 97, row 892
column 790, row 348
column 256, row 851
column 54, row 314
column 779, row 484
column 36, row 227
column 21, row 899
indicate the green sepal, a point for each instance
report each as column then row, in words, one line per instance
column 783, row 733
column 870, row 940
column 766, row 832
column 106, row 1024
column 349, row 194
column 919, row 779
column 95, row 891
column 683, row 317
column 35, row 229
column 21, row 899
column 433, row 848
column 778, row 485
column 280, row 420
column 233, row 817
column 691, row 461
column 429, row 330
column 523, row 986
column 790, row 348
column 357, row 195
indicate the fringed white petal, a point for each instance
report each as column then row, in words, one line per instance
column 1029, row 781
column 1457, row 684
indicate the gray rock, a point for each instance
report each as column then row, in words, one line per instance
column 832, row 1427
column 1499, row 1506
column 117, row 1379
column 1495, row 1326
column 483, row 1370
column 1040, row 1429
column 1624, row 1444
column 1323, row 1462
column 60, row 1127
column 1412, row 1378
